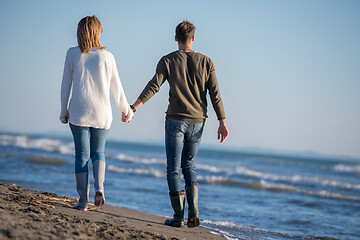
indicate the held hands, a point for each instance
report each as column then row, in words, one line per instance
column 126, row 118
column 130, row 117
column 223, row 131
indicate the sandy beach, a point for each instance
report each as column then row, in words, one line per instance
column 29, row 214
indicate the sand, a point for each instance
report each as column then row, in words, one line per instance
column 29, row 214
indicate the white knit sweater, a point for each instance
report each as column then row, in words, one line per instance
column 91, row 76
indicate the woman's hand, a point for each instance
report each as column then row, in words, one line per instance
column 64, row 118
column 65, row 121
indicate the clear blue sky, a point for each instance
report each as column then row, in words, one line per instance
column 289, row 71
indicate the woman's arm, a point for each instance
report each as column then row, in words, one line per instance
column 65, row 89
column 118, row 92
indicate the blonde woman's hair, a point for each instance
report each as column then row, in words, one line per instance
column 88, row 34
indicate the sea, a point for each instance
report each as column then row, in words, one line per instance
column 242, row 194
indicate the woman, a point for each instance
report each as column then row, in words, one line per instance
column 91, row 72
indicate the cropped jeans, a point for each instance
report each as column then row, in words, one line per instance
column 89, row 143
column 182, row 141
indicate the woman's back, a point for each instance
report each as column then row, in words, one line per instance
column 92, row 75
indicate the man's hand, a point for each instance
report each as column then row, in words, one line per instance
column 223, row 131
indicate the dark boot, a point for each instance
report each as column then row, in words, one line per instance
column 177, row 203
column 192, row 192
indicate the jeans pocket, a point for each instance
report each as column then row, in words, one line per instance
column 197, row 132
column 175, row 127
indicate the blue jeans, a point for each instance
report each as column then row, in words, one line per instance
column 89, row 143
column 182, row 141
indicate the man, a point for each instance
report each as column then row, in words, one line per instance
column 190, row 76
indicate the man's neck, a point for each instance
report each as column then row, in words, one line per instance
column 186, row 47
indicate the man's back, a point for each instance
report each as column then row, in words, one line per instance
column 190, row 76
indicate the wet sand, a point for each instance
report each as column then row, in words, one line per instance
column 29, row 214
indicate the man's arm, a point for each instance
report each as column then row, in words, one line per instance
column 151, row 88
column 214, row 92
column 216, row 101
column 137, row 104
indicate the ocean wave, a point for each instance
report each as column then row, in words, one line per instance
column 243, row 171
column 213, row 169
column 129, row 158
column 54, row 145
column 45, row 144
column 259, row 185
column 330, row 195
column 295, row 178
column 139, row 171
column 232, row 231
column 218, row 180
column 263, row 185
column 10, row 140
column 347, row 168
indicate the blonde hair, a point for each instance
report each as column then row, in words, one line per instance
column 88, row 34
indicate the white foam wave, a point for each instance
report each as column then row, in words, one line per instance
column 347, row 168
column 45, row 144
column 254, row 185
column 138, row 171
column 129, row 158
column 263, row 185
column 213, row 169
column 51, row 145
column 232, row 231
column 277, row 187
column 9, row 140
column 218, row 227
column 331, row 195
column 212, row 179
column 295, row 178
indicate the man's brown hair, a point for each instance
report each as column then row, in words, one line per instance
column 88, row 34
column 184, row 31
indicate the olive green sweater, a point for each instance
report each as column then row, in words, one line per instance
column 190, row 75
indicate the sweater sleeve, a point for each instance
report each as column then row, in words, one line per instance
column 214, row 93
column 118, row 91
column 66, row 86
column 153, row 86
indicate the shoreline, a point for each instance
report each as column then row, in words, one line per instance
column 31, row 214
